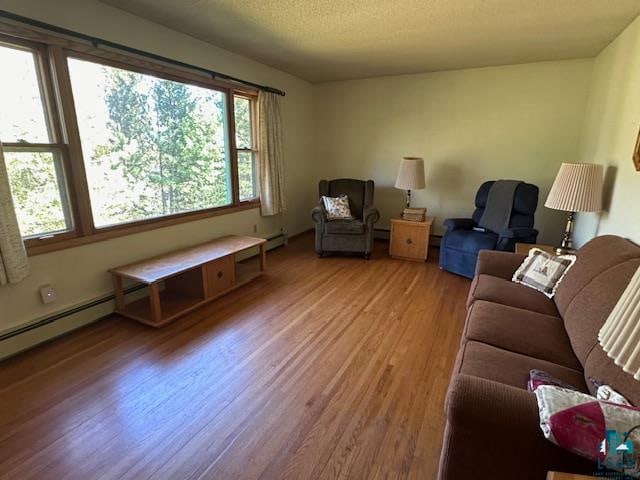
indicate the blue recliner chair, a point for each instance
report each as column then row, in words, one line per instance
column 461, row 243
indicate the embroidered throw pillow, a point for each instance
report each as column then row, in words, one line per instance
column 537, row 378
column 608, row 394
column 337, row 207
column 600, row 431
column 542, row 271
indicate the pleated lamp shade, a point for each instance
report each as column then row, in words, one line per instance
column 577, row 188
column 620, row 334
column 411, row 174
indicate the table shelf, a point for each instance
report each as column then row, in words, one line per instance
column 247, row 270
column 173, row 304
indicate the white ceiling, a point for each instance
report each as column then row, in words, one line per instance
column 326, row 40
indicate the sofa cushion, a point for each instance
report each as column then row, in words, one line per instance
column 589, row 309
column 506, row 292
column 510, row 368
column 345, row 227
column 593, row 258
column 521, row 331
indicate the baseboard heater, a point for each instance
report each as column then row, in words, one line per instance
column 66, row 317
column 65, row 313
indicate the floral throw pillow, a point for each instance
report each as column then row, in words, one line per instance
column 542, row 271
column 600, row 431
column 337, row 207
column 538, row 378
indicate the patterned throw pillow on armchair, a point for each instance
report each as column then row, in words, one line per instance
column 337, row 207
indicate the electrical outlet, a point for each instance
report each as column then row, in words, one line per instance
column 255, row 228
column 47, row 294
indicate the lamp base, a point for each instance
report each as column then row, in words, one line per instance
column 566, row 247
column 407, row 201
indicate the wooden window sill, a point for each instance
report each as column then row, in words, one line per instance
column 38, row 247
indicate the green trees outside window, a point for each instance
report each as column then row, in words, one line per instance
column 146, row 146
column 151, row 147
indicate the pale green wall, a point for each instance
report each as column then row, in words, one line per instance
column 80, row 274
column 610, row 131
column 512, row 122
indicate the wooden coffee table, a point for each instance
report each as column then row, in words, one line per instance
column 184, row 280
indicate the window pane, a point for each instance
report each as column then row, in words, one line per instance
column 23, row 114
column 247, row 175
column 242, row 110
column 40, row 202
column 151, row 147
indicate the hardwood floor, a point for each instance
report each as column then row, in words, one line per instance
column 324, row 368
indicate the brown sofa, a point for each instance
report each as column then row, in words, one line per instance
column 492, row 428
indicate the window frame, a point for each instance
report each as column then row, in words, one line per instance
column 57, row 146
column 58, row 155
column 253, row 112
column 52, row 54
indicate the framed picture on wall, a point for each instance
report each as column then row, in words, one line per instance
column 636, row 153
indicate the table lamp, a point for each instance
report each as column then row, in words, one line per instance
column 410, row 176
column 620, row 334
column 577, row 188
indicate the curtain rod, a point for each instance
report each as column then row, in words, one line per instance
column 95, row 41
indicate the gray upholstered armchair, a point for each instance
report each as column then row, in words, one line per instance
column 354, row 235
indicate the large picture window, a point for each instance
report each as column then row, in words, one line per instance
column 95, row 146
column 152, row 147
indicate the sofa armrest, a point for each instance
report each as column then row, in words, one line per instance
column 318, row 214
column 370, row 216
column 519, row 233
column 492, row 406
column 499, row 264
column 459, row 223
column 493, row 431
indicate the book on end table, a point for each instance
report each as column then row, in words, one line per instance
column 414, row 214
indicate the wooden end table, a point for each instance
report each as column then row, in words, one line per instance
column 410, row 240
column 523, row 248
column 191, row 278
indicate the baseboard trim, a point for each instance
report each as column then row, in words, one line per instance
column 60, row 323
column 299, row 234
column 378, row 234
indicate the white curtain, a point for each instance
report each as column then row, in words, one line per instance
column 270, row 154
column 14, row 265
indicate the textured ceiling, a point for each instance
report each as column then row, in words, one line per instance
column 340, row 39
